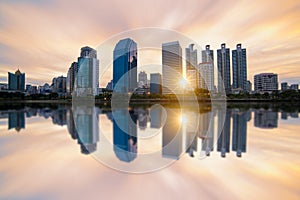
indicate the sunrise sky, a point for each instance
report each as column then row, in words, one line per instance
column 44, row 37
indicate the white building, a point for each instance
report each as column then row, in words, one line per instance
column 265, row 82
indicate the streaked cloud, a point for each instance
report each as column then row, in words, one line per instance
column 44, row 37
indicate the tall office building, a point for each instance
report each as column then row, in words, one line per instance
column 239, row 68
column 206, row 76
column 191, row 66
column 265, row 82
column 224, row 79
column 87, row 76
column 171, row 67
column 206, row 70
column 71, row 77
column 59, row 84
column 16, row 81
column 155, row 83
column 125, row 66
column 143, row 78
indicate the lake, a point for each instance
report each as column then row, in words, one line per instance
column 233, row 151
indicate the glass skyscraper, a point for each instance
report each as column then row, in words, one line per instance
column 125, row 66
column 172, row 67
column 206, row 69
column 239, row 68
column 191, row 66
column 16, row 81
column 224, row 79
column 87, row 82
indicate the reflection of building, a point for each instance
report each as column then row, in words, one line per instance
column 172, row 67
column 155, row 83
column 191, row 66
column 71, row 125
column 59, row 116
column 223, row 56
column 142, row 117
column 16, row 120
column 265, row 119
column 87, row 83
column 156, row 117
column 224, row 138
column 265, row 82
column 86, row 122
column 239, row 68
column 191, row 131
column 16, row 81
column 172, row 134
column 239, row 132
column 207, row 136
column 125, row 134
column 125, row 66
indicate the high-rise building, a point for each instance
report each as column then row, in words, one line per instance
column 191, row 66
column 239, row 68
column 143, row 81
column 171, row 67
column 16, row 81
column 248, row 86
column 224, row 79
column 284, row 86
column 109, row 85
column 155, row 83
column 59, row 84
column 125, row 66
column 206, row 76
column 206, row 69
column 265, row 82
column 71, row 77
column 87, row 76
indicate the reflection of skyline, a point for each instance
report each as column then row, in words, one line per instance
column 233, row 135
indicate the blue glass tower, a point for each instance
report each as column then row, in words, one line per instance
column 125, row 66
column 239, row 68
column 16, row 81
column 223, row 55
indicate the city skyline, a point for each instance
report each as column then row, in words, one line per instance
column 270, row 37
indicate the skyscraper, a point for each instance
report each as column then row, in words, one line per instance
column 206, row 70
column 191, row 66
column 59, row 84
column 125, row 66
column 16, row 81
column 171, row 67
column 87, row 82
column 71, row 77
column 143, row 78
column 224, row 69
column 155, row 83
column 239, row 68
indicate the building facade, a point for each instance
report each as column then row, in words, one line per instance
column 239, row 68
column 16, row 81
column 87, row 76
column 265, row 82
column 191, row 66
column 206, row 76
column 171, row 67
column 155, row 83
column 73, row 70
column 125, row 66
column 224, row 77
